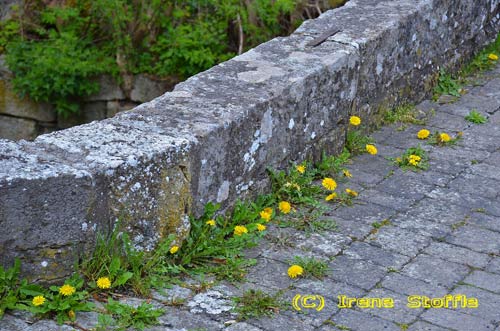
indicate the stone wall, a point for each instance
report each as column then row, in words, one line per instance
column 22, row 118
column 212, row 138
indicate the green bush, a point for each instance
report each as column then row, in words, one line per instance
column 57, row 70
column 55, row 51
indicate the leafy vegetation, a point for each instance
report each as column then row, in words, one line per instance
column 255, row 304
column 56, row 49
column 404, row 114
column 312, row 267
column 476, row 117
column 414, row 158
column 122, row 316
column 449, row 84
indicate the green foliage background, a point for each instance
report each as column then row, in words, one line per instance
column 54, row 48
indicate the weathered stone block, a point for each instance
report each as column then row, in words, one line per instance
column 212, row 138
column 17, row 128
column 11, row 104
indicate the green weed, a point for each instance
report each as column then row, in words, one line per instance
column 255, row 304
column 414, row 158
column 476, row 117
column 124, row 316
column 312, row 267
column 404, row 114
column 356, row 142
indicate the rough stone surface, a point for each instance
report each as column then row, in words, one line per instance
column 154, row 165
column 398, row 259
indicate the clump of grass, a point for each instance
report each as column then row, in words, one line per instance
column 476, row 117
column 308, row 220
column 404, row 114
column 255, row 304
column 312, row 267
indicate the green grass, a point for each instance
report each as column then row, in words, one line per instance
column 313, row 267
column 404, row 114
column 453, row 84
column 308, row 219
column 255, row 304
column 476, row 117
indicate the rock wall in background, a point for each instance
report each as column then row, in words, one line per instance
column 21, row 118
column 214, row 135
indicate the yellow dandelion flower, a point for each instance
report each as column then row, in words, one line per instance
column 352, row 193
column 423, row 134
column 444, row 137
column 413, row 162
column 371, row 149
column 346, row 173
column 331, row 196
column 355, row 120
column 210, row 222
column 261, row 227
column 415, row 157
column 239, row 230
column 295, row 270
column 266, row 214
column 174, row 249
column 285, row 207
column 103, row 283
column 329, row 183
column 38, row 300
column 398, row 160
column 493, row 57
column 301, row 168
column 71, row 314
column 67, row 290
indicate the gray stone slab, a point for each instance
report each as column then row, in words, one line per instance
column 472, row 201
column 473, row 182
column 405, row 186
column 400, row 314
column 437, row 211
column 393, row 201
column 484, row 280
column 494, row 265
column 265, row 267
column 179, row 319
column 456, row 320
column 356, row 272
column 488, row 303
column 399, row 240
column 476, row 239
column 376, row 255
column 446, row 122
column 457, row 254
column 356, row 320
column 424, row 326
column 403, row 284
column 486, row 170
column 435, row 271
column 282, row 322
column 483, row 220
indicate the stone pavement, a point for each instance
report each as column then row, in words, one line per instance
column 442, row 237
